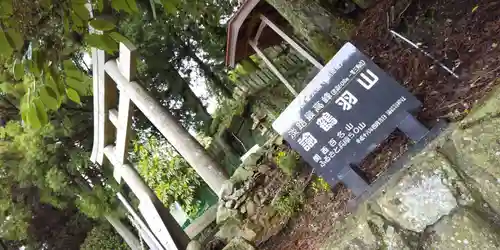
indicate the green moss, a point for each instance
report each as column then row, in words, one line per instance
column 345, row 28
column 323, row 46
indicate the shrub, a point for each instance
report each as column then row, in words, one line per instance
column 104, row 237
column 168, row 174
column 319, row 184
column 287, row 161
column 290, row 201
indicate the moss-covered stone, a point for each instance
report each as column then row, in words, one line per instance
column 462, row 230
column 476, row 152
column 422, row 195
column 353, row 232
column 238, row 244
column 488, row 108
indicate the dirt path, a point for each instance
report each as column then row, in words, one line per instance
column 462, row 34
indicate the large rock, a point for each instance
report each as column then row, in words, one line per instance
column 226, row 189
column 420, row 197
column 475, row 150
column 194, row 245
column 251, row 208
column 224, row 213
column 241, row 174
column 264, row 169
column 233, row 228
column 238, row 244
column 353, row 232
column 487, row 108
column 365, row 230
column 462, row 230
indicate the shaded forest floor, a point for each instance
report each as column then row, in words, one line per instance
column 463, row 35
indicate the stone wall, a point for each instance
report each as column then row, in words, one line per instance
column 245, row 214
column 447, row 196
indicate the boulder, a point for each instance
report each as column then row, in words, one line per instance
column 229, row 204
column 475, row 150
column 249, row 184
column 422, row 196
column 251, row 208
column 256, row 200
column 264, row 169
column 233, row 228
column 226, row 189
column 224, row 213
column 236, row 194
column 238, row 244
column 462, row 230
column 240, row 175
column 359, row 231
column 194, row 245
column 240, row 201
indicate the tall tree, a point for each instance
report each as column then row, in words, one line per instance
column 199, row 29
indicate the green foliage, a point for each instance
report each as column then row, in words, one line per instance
column 243, row 68
column 287, row 161
column 290, row 201
column 102, row 24
column 320, row 185
column 44, row 166
column 37, row 42
column 225, row 112
column 103, row 237
column 164, row 48
column 168, row 174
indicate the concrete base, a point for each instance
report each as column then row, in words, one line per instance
column 201, row 222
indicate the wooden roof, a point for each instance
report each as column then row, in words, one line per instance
column 243, row 26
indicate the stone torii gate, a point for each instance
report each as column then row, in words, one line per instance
column 115, row 91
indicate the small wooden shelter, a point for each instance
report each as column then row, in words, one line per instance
column 255, row 26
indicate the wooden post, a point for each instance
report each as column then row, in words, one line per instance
column 187, row 146
column 289, row 40
column 272, row 67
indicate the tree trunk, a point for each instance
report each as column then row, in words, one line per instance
column 217, row 82
column 323, row 31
